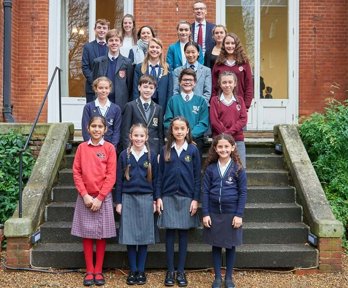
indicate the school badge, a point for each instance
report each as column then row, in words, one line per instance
column 100, row 155
column 188, row 158
column 122, row 73
column 238, row 107
column 146, row 164
column 155, row 122
column 195, row 109
column 240, row 68
column 229, row 180
column 111, row 121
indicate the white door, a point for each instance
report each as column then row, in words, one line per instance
column 268, row 30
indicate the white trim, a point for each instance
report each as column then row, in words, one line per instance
column 220, row 12
column 54, row 40
column 91, row 22
column 128, row 7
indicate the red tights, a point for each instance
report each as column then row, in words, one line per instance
column 88, row 251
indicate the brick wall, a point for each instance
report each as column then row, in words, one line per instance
column 163, row 16
column 323, row 53
column 1, row 57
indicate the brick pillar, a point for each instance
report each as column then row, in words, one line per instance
column 18, row 252
column 330, row 254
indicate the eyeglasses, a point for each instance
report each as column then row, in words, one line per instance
column 187, row 80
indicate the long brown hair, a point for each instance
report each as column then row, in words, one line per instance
column 163, row 62
column 134, row 31
column 171, row 138
column 149, row 168
column 213, row 157
column 239, row 54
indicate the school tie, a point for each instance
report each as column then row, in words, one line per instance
column 153, row 70
column 187, row 98
column 200, row 35
column 193, row 67
column 101, row 43
column 146, row 106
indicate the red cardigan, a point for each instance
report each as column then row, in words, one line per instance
column 228, row 119
column 94, row 169
column 245, row 87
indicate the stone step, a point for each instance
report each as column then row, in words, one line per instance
column 70, row 255
column 254, row 212
column 265, row 177
column 253, row 233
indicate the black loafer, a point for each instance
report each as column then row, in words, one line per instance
column 181, row 279
column 132, row 278
column 229, row 283
column 88, row 282
column 169, row 281
column 141, row 278
column 99, row 281
column 217, row 283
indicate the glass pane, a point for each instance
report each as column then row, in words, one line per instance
column 111, row 10
column 240, row 20
column 274, row 48
column 77, row 37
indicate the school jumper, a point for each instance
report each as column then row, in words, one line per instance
column 113, row 121
column 194, row 110
column 91, row 51
column 153, row 119
column 164, row 88
column 122, row 78
column 203, row 83
column 245, row 85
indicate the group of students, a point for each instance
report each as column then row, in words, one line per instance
column 160, row 182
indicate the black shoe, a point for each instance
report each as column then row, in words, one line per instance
column 217, row 283
column 88, row 282
column 169, row 281
column 132, row 278
column 141, row 278
column 100, row 281
column 181, row 279
column 229, row 283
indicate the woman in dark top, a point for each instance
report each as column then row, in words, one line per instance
column 219, row 33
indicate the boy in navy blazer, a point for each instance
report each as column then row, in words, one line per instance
column 117, row 68
column 144, row 110
column 93, row 50
column 206, row 40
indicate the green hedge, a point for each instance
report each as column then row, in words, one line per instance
column 325, row 137
column 10, row 145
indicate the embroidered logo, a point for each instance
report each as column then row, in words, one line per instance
column 195, row 109
column 155, row 122
column 238, row 107
column 146, row 164
column 188, row 158
column 122, row 73
column 229, row 180
column 101, row 155
column 111, row 121
column 240, row 68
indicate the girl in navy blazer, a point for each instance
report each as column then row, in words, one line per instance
column 223, row 203
column 155, row 65
column 136, row 174
column 177, row 193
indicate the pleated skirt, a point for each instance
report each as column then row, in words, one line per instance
column 94, row 225
column 176, row 213
column 221, row 233
column 137, row 219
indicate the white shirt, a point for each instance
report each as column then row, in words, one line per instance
column 102, row 109
column 100, row 143
column 223, row 168
column 112, row 56
column 127, row 45
column 138, row 156
column 179, row 150
column 183, row 57
column 227, row 102
column 183, row 95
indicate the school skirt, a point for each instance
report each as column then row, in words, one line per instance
column 94, row 225
column 137, row 219
column 221, row 233
column 176, row 213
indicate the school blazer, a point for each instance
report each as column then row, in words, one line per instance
column 134, row 113
column 123, row 77
column 90, row 52
column 163, row 91
column 209, row 41
column 203, row 85
column 174, row 57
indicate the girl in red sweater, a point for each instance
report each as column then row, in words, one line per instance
column 94, row 171
column 234, row 59
column 228, row 113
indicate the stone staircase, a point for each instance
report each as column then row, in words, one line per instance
column 274, row 234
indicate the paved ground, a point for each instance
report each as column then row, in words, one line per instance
column 199, row 279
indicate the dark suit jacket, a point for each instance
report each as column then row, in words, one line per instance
column 163, row 91
column 134, row 113
column 122, row 81
column 209, row 41
column 90, row 52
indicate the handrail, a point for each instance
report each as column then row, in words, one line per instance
column 32, row 131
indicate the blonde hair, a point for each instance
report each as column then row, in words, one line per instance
column 100, row 79
column 163, row 62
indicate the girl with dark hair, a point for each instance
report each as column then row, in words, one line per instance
column 138, row 51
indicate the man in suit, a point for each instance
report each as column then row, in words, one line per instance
column 201, row 29
column 93, row 50
column 117, row 68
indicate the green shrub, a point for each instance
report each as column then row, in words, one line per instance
column 10, row 145
column 325, row 137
